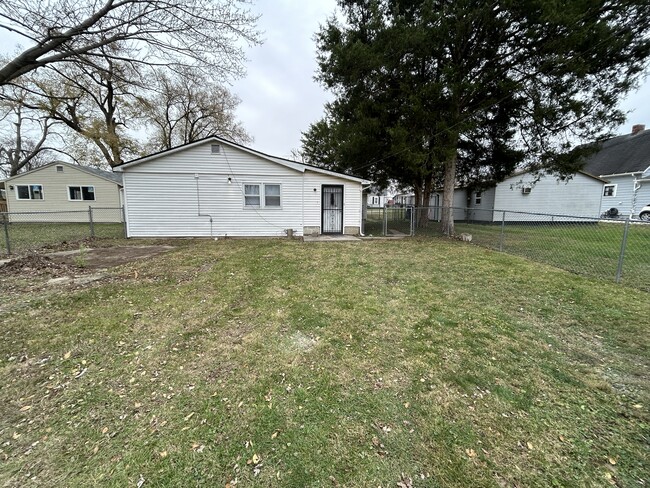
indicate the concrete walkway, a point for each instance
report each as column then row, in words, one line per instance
column 330, row 238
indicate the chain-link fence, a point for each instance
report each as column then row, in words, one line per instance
column 605, row 248
column 27, row 231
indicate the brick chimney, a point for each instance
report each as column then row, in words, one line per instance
column 636, row 128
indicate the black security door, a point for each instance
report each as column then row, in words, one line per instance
column 332, row 209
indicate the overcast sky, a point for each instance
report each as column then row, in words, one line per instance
column 279, row 95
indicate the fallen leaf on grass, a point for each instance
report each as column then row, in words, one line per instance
column 529, row 445
column 275, row 434
column 140, row 481
column 470, row 452
column 612, row 461
column 16, row 435
column 561, row 437
column 25, row 408
column 67, row 355
column 104, row 430
column 189, row 417
column 405, row 482
column 163, row 454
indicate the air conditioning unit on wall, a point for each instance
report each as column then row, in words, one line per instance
column 526, row 190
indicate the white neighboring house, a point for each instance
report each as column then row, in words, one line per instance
column 528, row 193
column 578, row 196
column 377, row 201
column 216, row 188
column 67, row 190
column 624, row 161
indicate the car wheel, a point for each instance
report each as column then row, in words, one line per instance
column 645, row 216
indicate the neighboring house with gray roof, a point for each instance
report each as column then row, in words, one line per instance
column 66, row 189
column 624, row 161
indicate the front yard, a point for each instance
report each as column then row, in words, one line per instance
column 405, row 363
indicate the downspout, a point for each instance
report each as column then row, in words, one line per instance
column 635, row 188
column 302, row 231
column 364, row 203
column 198, row 203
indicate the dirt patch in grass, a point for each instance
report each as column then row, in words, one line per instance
column 35, row 264
column 107, row 257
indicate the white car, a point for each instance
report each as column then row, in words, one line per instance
column 644, row 214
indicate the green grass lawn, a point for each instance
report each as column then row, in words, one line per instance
column 25, row 236
column 589, row 249
column 362, row 364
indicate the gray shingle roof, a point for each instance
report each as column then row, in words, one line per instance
column 622, row 154
column 116, row 177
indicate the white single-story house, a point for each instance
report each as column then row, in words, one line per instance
column 375, row 200
column 66, row 189
column 528, row 193
column 624, row 161
column 216, row 188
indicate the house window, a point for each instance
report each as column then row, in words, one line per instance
column 59, row 169
column 252, row 195
column 477, row 198
column 609, row 191
column 29, row 192
column 81, row 192
column 271, row 195
column 216, row 148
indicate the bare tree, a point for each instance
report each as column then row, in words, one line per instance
column 207, row 34
column 188, row 107
column 95, row 100
column 25, row 134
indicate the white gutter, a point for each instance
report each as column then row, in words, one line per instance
column 622, row 174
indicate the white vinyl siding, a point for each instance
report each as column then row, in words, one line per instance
column 578, row 196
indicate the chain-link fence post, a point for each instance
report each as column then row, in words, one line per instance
column 385, row 223
column 621, row 255
column 503, row 230
column 413, row 210
column 90, row 221
column 5, row 224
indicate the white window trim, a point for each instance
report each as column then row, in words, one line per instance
column 613, row 194
column 82, row 199
column 478, row 197
column 60, row 170
column 16, row 185
column 262, row 195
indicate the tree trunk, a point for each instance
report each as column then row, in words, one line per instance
column 447, row 219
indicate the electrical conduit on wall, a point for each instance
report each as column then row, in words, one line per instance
column 198, row 203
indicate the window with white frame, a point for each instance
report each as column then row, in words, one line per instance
column 29, row 192
column 477, row 198
column 262, row 195
column 252, row 195
column 59, row 168
column 81, row 193
column 609, row 191
column 271, row 195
